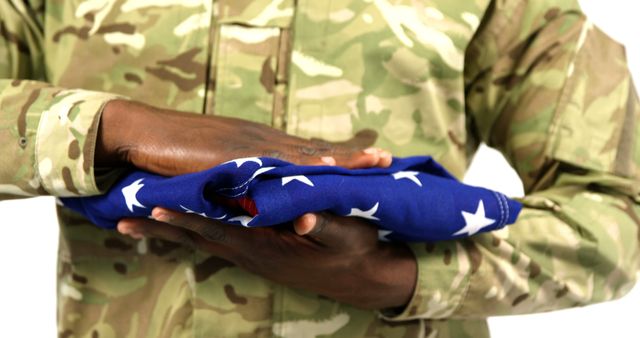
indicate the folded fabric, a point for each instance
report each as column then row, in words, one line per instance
column 415, row 199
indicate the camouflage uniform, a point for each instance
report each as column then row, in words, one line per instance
column 534, row 79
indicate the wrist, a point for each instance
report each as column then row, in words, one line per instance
column 392, row 274
column 402, row 273
column 116, row 133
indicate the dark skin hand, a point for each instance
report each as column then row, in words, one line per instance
column 337, row 257
column 172, row 143
column 364, row 272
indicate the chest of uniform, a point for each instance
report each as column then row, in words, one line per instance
column 313, row 68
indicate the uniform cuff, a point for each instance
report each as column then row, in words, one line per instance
column 66, row 140
column 444, row 271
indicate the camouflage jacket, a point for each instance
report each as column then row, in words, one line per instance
column 534, row 79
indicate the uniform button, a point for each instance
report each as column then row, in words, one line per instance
column 22, row 142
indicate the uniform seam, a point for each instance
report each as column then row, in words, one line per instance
column 192, row 298
column 36, row 151
column 551, row 143
column 209, row 72
column 223, row 48
column 465, row 292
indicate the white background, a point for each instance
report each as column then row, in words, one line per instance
column 28, row 241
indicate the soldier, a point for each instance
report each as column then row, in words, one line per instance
column 91, row 87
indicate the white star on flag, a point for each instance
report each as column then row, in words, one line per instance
column 189, row 211
column 368, row 214
column 410, row 175
column 261, row 171
column 299, row 178
column 240, row 161
column 129, row 192
column 244, row 220
column 475, row 222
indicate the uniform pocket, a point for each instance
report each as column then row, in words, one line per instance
column 596, row 124
column 250, row 77
column 251, row 59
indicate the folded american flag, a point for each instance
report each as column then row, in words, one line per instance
column 415, row 199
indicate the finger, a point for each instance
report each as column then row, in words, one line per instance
column 368, row 158
column 140, row 227
column 385, row 159
column 335, row 231
column 322, row 160
column 362, row 139
column 322, row 228
column 349, row 153
column 301, row 154
column 356, row 152
column 351, row 158
column 305, row 224
column 211, row 230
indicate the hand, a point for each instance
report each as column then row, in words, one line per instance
column 172, row 143
column 337, row 257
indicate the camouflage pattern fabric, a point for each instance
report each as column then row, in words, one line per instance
column 534, row 79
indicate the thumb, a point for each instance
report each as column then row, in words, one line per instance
column 306, row 224
column 333, row 230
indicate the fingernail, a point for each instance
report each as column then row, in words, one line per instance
column 328, row 160
column 385, row 154
column 159, row 214
column 371, row 151
column 124, row 230
column 310, row 219
column 308, row 223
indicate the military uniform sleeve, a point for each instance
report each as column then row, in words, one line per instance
column 553, row 93
column 47, row 134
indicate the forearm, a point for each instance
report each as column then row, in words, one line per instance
column 584, row 252
column 571, row 246
column 47, row 133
